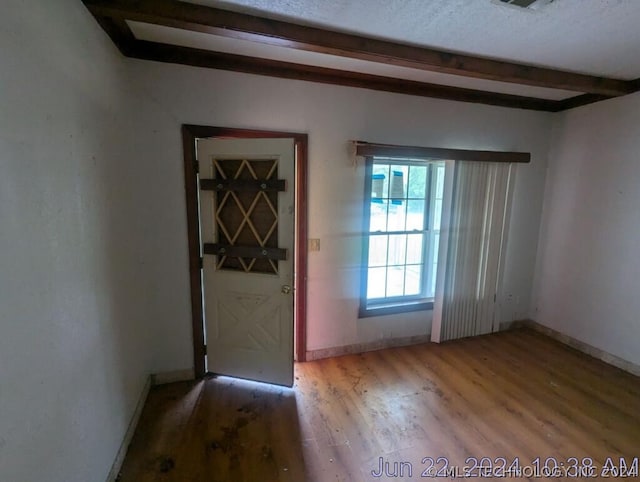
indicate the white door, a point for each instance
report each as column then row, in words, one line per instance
column 247, row 231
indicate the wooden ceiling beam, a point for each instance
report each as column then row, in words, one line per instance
column 579, row 101
column 586, row 99
column 145, row 50
column 178, row 14
column 119, row 31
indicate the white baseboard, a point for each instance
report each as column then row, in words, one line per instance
column 131, row 429
column 364, row 347
column 172, row 377
column 590, row 350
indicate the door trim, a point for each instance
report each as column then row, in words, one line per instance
column 190, row 133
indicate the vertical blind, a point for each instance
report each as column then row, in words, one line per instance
column 466, row 295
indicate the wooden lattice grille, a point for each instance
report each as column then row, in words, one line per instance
column 247, row 217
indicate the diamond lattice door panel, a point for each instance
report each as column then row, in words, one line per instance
column 247, row 217
column 247, row 231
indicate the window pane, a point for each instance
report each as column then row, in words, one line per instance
column 397, row 216
column 376, row 281
column 395, row 281
column 414, row 248
column 378, row 221
column 412, row 280
column 417, row 181
column 415, row 215
column 378, row 250
column 397, row 249
column 398, row 183
column 403, row 265
column 380, row 181
column 437, row 214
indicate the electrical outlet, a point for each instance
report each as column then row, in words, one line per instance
column 314, row 244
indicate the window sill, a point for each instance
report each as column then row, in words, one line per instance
column 393, row 308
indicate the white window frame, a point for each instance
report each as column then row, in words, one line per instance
column 390, row 305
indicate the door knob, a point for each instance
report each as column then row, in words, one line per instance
column 286, row 289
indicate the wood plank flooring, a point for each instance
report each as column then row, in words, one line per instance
column 506, row 397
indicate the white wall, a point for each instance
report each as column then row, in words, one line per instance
column 331, row 116
column 588, row 274
column 76, row 276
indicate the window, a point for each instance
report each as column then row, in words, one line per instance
column 403, row 208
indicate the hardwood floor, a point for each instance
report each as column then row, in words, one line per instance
column 507, row 396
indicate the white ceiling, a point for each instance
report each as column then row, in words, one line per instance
column 597, row 37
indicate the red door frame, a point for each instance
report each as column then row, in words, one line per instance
column 190, row 134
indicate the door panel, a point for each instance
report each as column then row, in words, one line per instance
column 247, row 231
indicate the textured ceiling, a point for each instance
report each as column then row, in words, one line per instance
column 597, row 37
